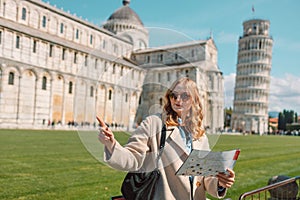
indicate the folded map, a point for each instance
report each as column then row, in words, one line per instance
column 208, row 163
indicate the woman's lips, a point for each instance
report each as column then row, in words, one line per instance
column 178, row 105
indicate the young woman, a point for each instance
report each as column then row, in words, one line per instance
column 183, row 117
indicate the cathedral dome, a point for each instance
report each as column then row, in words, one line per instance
column 125, row 14
column 125, row 23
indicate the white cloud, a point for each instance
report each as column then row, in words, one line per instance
column 284, row 92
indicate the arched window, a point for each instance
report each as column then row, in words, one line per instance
column 77, row 34
column 85, row 60
column 70, row 87
column 161, row 57
column 44, row 21
column 63, row 56
column 115, row 48
column 91, row 39
column 92, row 91
column 114, row 69
column 44, row 83
column 51, row 50
column 75, row 57
column 160, row 101
column 122, row 69
column 105, row 66
column 61, row 27
column 4, row 8
column 187, row 73
column 109, row 94
column 260, row 44
column 11, row 78
column 96, row 63
column 18, row 42
column 0, row 77
column 104, row 44
column 24, row 12
column 34, row 46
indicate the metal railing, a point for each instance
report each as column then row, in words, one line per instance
column 288, row 189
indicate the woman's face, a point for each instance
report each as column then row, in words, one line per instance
column 180, row 100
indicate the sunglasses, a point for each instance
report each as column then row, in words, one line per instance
column 183, row 96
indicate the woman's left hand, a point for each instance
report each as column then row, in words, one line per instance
column 226, row 180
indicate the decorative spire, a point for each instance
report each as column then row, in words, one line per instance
column 211, row 35
column 126, row 2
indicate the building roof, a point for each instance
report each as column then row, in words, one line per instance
column 172, row 46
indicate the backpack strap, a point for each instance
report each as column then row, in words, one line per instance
column 163, row 137
column 162, row 143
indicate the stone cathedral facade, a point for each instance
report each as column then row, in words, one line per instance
column 56, row 68
column 252, row 85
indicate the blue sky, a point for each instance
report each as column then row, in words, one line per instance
column 174, row 21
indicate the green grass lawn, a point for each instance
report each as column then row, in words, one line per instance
column 55, row 165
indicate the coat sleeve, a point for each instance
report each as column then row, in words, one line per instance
column 211, row 186
column 131, row 157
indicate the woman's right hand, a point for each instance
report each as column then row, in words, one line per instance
column 106, row 136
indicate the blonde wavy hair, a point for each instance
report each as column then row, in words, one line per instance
column 193, row 121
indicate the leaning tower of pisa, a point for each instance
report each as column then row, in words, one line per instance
column 252, row 84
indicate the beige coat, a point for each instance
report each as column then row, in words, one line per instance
column 140, row 153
